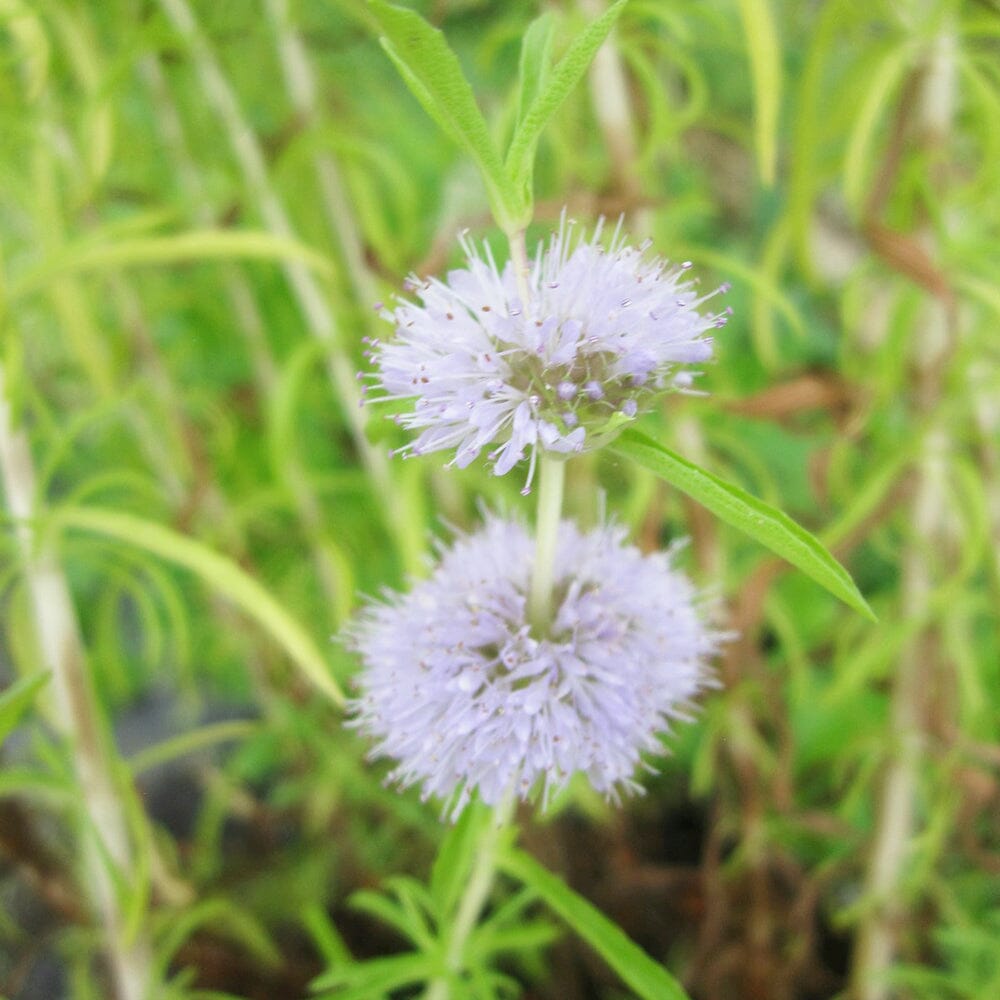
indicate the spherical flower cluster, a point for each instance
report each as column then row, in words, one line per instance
column 464, row 694
column 602, row 333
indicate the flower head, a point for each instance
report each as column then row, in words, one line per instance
column 464, row 694
column 602, row 332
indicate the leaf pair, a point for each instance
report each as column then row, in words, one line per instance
column 432, row 72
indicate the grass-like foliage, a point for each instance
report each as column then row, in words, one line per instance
column 212, row 216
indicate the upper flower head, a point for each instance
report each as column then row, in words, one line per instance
column 466, row 695
column 603, row 331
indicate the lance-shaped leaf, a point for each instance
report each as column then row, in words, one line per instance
column 111, row 253
column 765, row 66
column 637, row 970
column 559, row 82
column 735, row 506
column 535, row 62
column 432, row 72
column 218, row 572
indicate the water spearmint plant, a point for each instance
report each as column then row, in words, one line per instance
column 200, row 205
column 525, row 659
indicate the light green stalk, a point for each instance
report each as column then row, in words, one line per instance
column 551, row 480
column 877, row 938
column 477, row 890
column 104, row 839
column 519, row 258
column 551, row 477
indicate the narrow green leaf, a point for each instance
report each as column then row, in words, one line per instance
column 433, row 73
column 375, row 977
column 325, row 936
column 417, row 904
column 637, row 970
column 735, row 506
column 218, row 572
column 17, row 699
column 757, row 277
column 193, row 246
column 535, row 62
column 804, row 177
column 24, row 782
column 561, row 81
column 388, row 912
column 765, row 67
column 227, row 919
column 881, row 83
column 487, row 942
column 30, row 44
column 768, row 271
column 190, row 742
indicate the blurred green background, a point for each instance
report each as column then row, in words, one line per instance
column 199, row 205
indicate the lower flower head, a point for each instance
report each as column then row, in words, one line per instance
column 603, row 331
column 465, row 695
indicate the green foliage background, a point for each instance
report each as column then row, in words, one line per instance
column 190, row 249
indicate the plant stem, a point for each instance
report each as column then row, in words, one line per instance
column 897, row 815
column 104, row 837
column 551, row 476
column 477, row 890
column 522, row 268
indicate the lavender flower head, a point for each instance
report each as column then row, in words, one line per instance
column 602, row 333
column 465, row 695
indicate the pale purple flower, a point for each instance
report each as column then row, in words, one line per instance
column 602, row 333
column 464, row 694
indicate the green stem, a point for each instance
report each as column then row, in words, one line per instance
column 104, row 843
column 551, row 477
column 519, row 258
column 476, row 892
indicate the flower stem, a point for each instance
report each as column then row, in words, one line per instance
column 476, row 891
column 519, row 258
column 551, row 476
